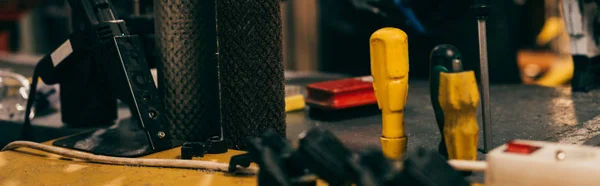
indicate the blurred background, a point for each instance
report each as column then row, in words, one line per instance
column 527, row 42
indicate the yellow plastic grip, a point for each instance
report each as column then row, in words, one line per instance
column 553, row 27
column 389, row 68
column 459, row 97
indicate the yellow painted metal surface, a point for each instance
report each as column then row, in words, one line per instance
column 31, row 167
column 389, row 68
column 294, row 103
column 459, row 98
column 24, row 167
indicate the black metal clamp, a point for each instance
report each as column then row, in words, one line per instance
column 100, row 63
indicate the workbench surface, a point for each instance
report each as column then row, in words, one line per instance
column 518, row 112
column 31, row 167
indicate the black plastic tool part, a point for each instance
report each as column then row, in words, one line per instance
column 375, row 169
column 192, row 149
column 428, row 168
column 321, row 154
column 277, row 161
column 216, row 145
column 326, row 156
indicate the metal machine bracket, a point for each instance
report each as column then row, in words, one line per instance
column 109, row 53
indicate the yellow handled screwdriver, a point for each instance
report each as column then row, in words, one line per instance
column 458, row 98
column 389, row 68
column 443, row 58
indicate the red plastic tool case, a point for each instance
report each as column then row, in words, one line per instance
column 342, row 94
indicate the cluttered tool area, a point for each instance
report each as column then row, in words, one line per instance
column 196, row 94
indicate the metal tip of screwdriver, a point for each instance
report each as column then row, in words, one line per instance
column 457, row 65
column 485, row 86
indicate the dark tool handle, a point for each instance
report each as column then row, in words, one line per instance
column 187, row 67
column 443, row 58
column 482, row 8
column 446, row 56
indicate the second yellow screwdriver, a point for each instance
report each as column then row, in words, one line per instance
column 389, row 68
column 455, row 98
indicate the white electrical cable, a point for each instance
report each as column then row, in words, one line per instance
column 172, row 163
column 465, row 165
column 462, row 165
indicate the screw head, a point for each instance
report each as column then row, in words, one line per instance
column 140, row 79
column 161, row 134
column 146, row 97
column 152, row 114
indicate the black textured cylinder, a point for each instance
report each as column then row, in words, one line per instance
column 251, row 69
column 187, row 67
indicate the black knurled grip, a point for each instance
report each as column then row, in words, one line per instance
column 251, row 69
column 187, row 67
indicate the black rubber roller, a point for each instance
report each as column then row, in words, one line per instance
column 251, row 69
column 187, row 67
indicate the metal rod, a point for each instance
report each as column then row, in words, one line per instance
column 136, row 7
column 485, row 85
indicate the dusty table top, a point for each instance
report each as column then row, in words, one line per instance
column 518, row 112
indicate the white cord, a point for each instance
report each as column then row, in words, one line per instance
column 465, row 165
column 173, row 163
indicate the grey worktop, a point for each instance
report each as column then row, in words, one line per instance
column 518, row 112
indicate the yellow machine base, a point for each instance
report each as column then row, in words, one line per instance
column 24, row 166
column 31, row 167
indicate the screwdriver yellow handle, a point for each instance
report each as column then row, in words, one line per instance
column 459, row 97
column 389, row 68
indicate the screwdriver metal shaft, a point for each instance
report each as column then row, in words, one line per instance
column 485, row 86
column 482, row 10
